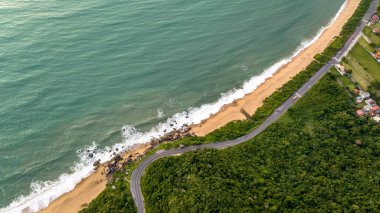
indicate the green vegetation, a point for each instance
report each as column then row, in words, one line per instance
column 365, row 69
column 344, row 80
column 367, row 61
column 318, row 156
column 119, row 199
column 358, row 72
column 366, row 45
column 374, row 38
column 111, row 200
column 350, row 26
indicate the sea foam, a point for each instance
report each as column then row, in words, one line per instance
column 43, row 193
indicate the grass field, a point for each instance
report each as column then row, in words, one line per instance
column 344, row 80
column 375, row 38
column 359, row 74
column 366, row 60
column 366, row 45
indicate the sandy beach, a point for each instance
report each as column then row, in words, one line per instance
column 92, row 186
column 88, row 189
column 251, row 102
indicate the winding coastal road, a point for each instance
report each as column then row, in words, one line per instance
column 138, row 172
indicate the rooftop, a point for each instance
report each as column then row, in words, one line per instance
column 377, row 55
column 375, row 18
column 360, row 112
column 374, row 108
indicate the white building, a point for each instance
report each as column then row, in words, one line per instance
column 376, row 118
column 364, row 94
column 367, row 108
column 369, row 101
column 340, row 69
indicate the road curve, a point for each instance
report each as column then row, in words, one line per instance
column 138, row 172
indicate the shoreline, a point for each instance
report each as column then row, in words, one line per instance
column 239, row 109
column 90, row 187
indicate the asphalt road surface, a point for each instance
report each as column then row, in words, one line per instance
column 138, row 172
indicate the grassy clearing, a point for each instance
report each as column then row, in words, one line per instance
column 375, row 38
column 344, row 80
column 359, row 74
column 367, row 61
column 366, row 45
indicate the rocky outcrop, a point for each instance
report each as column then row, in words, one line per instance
column 173, row 135
column 118, row 163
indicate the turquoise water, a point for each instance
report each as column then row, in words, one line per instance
column 74, row 72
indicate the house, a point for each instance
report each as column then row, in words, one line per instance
column 360, row 113
column 372, row 113
column 369, row 102
column 358, row 101
column 364, row 94
column 377, row 55
column 367, row 108
column 376, row 31
column 341, row 69
column 374, row 19
column 376, row 118
column 375, row 108
column 356, row 90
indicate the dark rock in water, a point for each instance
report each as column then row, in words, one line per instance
column 171, row 124
column 117, row 149
column 91, row 155
column 118, row 158
column 96, row 163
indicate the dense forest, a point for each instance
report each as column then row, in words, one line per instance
column 318, row 157
column 293, row 131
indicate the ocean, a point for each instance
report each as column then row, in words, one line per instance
column 78, row 76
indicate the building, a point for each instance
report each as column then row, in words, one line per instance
column 360, row 113
column 370, row 102
column 375, row 108
column 376, row 31
column 376, row 118
column 364, row 94
column 367, row 108
column 372, row 113
column 377, row 55
column 340, row 69
column 359, row 99
column 374, row 19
